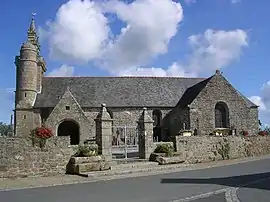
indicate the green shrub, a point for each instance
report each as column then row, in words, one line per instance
column 87, row 150
column 165, row 148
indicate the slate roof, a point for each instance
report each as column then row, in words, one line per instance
column 192, row 92
column 124, row 91
column 116, row 91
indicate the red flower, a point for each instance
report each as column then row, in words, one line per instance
column 245, row 133
column 42, row 132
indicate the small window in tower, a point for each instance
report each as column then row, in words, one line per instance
column 25, row 94
column 24, row 116
column 67, row 107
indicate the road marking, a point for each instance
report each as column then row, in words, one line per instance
column 200, row 196
column 230, row 193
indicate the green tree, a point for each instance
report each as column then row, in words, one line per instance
column 4, row 128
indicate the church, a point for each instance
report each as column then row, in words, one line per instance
column 69, row 105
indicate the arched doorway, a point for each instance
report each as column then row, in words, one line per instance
column 69, row 128
column 221, row 115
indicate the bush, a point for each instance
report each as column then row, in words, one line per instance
column 165, row 148
column 87, row 151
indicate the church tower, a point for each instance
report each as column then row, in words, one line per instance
column 30, row 67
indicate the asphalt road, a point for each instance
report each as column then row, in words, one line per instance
column 246, row 182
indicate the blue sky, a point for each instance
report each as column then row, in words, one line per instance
column 165, row 38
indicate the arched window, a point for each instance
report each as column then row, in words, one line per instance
column 221, row 115
column 156, row 117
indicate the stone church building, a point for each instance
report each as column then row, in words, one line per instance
column 69, row 105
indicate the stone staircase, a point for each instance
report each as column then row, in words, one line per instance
column 124, row 167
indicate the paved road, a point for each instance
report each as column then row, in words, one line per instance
column 246, row 182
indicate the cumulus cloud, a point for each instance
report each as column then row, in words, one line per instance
column 263, row 101
column 172, row 71
column 63, row 71
column 78, row 32
column 81, row 32
column 150, row 26
column 215, row 49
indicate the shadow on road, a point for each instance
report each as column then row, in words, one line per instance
column 249, row 181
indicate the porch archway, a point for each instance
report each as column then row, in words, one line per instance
column 69, row 128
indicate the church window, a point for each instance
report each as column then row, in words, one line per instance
column 157, row 116
column 67, row 107
column 24, row 116
column 25, row 94
column 221, row 115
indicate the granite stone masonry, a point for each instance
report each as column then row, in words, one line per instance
column 199, row 149
column 18, row 157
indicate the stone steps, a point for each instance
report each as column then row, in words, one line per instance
column 125, row 170
column 140, row 165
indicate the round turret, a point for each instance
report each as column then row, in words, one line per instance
column 27, row 74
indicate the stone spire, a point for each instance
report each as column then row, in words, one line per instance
column 32, row 34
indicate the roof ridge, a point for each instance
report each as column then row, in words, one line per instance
column 174, row 77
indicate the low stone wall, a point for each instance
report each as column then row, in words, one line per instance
column 19, row 158
column 197, row 149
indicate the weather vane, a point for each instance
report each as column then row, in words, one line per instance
column 33, row 15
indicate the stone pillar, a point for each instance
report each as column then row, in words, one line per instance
column 145, row 126
column 104, row 132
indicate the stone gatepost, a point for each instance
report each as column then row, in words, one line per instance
column 146, row 143
column 104, row 132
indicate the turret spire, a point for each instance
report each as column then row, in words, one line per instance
column 32, row 34
column 32, row 27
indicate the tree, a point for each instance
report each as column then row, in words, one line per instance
column 4, row 129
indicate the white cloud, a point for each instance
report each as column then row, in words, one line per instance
column 215, row 49
column 78, row 32
column 150, row 26
column 209, row 51
column 257, row 100
column 63, row 71
column 263, row 101
column 172, row 71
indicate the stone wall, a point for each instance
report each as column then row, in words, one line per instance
column 18, row 157
column 196, row 149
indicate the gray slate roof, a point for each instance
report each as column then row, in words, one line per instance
column 116, row 91
column 124, row 91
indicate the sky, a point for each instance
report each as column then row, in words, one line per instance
column 190, row 38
